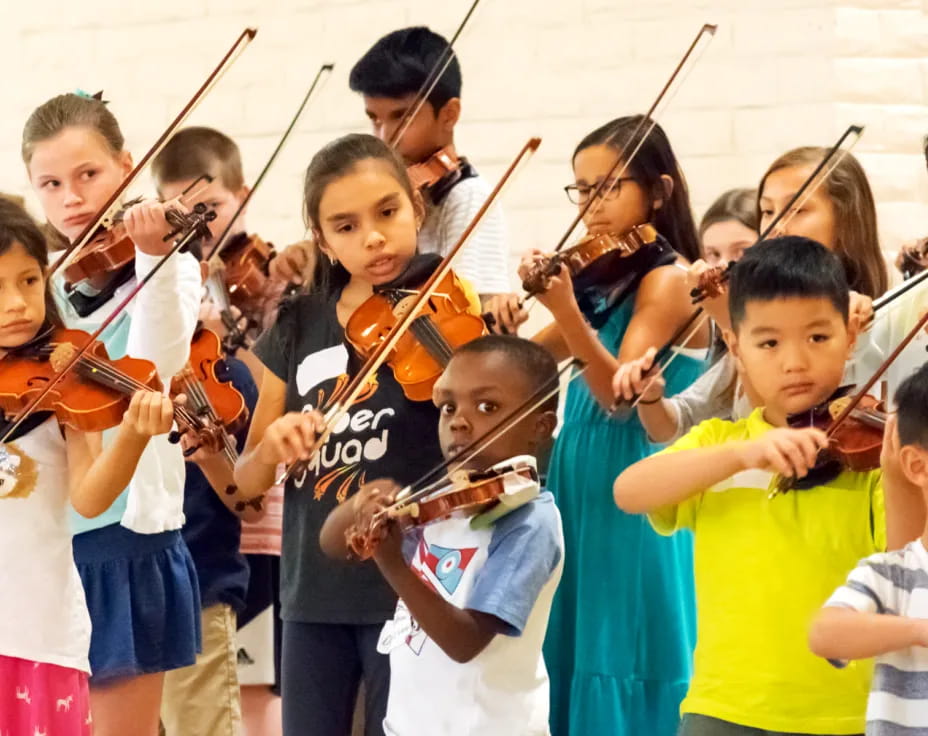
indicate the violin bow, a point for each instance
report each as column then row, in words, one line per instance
column 622, row 163
column 106, row 212
column 346, row 398
column 222, row 241
column 811, row 184
column 783, row 484
column 437, row 475
column 431, row 81
column 197, row 226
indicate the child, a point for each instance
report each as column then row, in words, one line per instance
column 840, row 215
column 45, row 629
column 728, row 227
column 364, row 217
column 465, row 643
column 136, row 570
column 763, row 565
column 880, row 611
column 627, row 673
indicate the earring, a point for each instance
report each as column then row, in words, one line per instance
column 332, row 259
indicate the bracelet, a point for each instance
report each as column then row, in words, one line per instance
column 648, row 403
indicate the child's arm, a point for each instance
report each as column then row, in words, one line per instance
column 670, row 478
column 667, row 419
column 97, row 476
column 574, row 332
column 462, row 634
column 844, row 634
column 274, row 437
column 220, row 474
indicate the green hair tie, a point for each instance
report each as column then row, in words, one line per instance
column 87, row 96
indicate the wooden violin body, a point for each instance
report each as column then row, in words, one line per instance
column 441, row 164
column 420, row 356
column 86, row 399
column 245, row 271
column 471, row 492
column 206, row 372
column 109, row 250
column 592, row 259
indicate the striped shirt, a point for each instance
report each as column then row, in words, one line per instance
column 896, row 584
column 263, row 537
column 484, row 260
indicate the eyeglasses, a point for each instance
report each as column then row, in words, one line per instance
column 580, row 193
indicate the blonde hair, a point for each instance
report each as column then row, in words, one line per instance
column 857, row 243
column 66, row 111
column 195, row 151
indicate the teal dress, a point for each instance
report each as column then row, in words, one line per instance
column 623, row 625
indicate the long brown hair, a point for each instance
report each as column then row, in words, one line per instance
column 332, row 162
column 857, row 243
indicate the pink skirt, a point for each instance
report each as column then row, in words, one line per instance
column 38, row 699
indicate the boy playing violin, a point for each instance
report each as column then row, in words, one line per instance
column 465, row 643
column 764, row 562
column 389, row 77
column 881, row 610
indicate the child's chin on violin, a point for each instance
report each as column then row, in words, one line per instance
column 471, row 595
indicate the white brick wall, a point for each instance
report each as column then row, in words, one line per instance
column 776, row 76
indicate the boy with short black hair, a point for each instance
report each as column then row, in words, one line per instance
column 465, row 643
column 882, row 609
column 764, row 563
column 389, row 76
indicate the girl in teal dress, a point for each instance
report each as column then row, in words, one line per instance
column 622, row 629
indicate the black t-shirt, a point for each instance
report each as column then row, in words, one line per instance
column 383, row 436
column 212, row 532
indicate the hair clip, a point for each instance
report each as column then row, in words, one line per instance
column 87, row 96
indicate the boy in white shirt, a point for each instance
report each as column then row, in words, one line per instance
column 882, row 609
column 465, row 643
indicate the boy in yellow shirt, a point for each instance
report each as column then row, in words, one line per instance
column 764, row 564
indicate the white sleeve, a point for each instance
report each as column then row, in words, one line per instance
column 484, row 261
column 709, row 396
column 164, row 317
column 165, row 312
column 866, row 590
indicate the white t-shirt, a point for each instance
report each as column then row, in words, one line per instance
column 45, row 615
column 510, row 571
column 893, row 583
column 484, row 260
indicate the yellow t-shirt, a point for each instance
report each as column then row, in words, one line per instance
column 764, row 567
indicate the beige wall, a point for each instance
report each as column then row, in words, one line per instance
column 778, row 74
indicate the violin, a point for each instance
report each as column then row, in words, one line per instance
column 206, row 384
column 445, row 322
column 91, row 397
column 245, row 263
column 495, row 492
column 711, row 283
column 111, row 248
column 591, row 260
column 443, row 165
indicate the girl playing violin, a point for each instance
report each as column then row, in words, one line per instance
column 45, row 629
column 625, row 691
column 135, row 567
column 364, row 217
column 474, row 602
column 842, row 216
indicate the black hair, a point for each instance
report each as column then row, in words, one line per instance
column 655, row 158
column 912, row 406
column 400, row 62
column 331, row 162
column 790, row 266
column 16, row 226
column 531, row 359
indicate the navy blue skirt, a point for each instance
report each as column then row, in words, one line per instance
column 143, row 599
